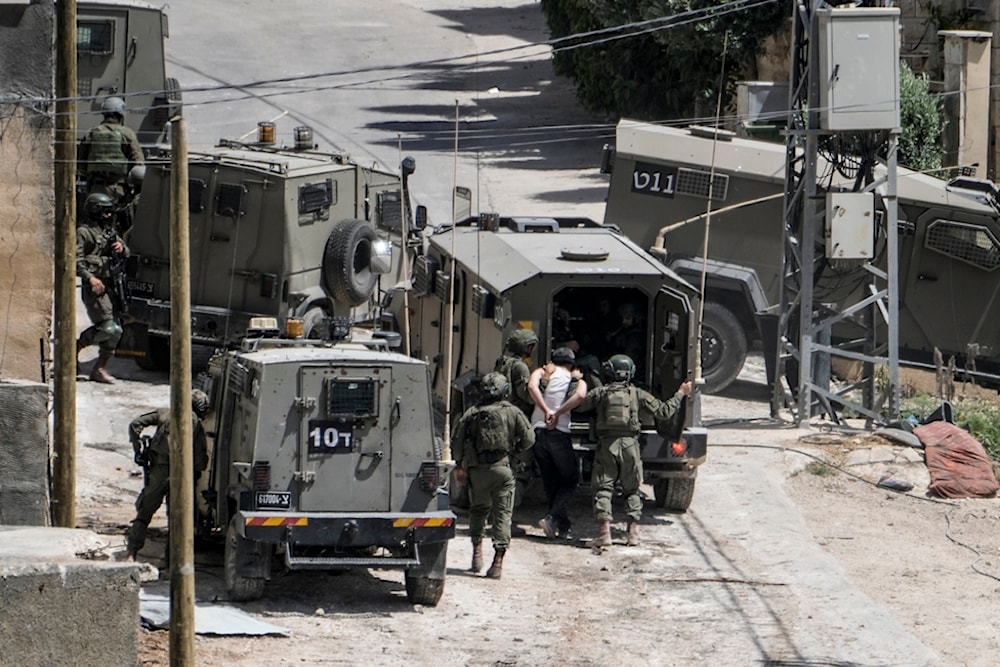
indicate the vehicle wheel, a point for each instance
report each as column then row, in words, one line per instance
column 240, row 588
column 347, row 262
column 316, row 324
column 674, row 493
column 157, row 355
column 723, row 347
column 423, row 590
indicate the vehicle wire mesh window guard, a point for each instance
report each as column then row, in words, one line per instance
column 351, row 399
column 694, row 182
column 95, row 38
column 971, row 244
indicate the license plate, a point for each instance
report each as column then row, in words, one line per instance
column 140, row 287
column 273, row 500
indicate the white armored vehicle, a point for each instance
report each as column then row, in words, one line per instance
column 323, row 456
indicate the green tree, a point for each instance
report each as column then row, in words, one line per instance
column 921, row 122
column 673, row 72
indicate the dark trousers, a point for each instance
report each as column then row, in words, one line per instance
column 557, row 465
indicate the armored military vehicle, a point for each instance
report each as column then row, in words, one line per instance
column 489, row 275
column 276, row 231
column 948, row 235
column 323, row 456
column 120, row 52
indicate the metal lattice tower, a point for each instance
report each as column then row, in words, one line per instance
column 808, row 309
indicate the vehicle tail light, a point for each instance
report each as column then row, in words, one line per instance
column 261, row 475
column 429, row 478
column 678, row 448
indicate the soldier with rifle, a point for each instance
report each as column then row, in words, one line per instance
column 100, row 265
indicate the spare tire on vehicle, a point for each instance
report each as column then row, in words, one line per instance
column 347, row 262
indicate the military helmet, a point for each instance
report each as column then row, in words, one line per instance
column 620, row 367
column 199, row 403
column 113, row 106
column 494, row 387
column 97, row 204
column 136, row 175
column 520, row 340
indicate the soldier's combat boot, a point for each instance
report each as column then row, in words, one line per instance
column 477, row 557
column 496, row 569
column 603, row 537
column 98, row 373
column 633, row 533
column 80, row 347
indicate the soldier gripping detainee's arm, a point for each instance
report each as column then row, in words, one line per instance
column 620, row 408
column 485, row 438
column 156, row 462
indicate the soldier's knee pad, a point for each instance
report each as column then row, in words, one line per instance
column 108, row 331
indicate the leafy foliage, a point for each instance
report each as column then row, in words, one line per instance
column 670, row 73
column 921, row 120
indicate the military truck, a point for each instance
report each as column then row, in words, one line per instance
column 487, row 275
column 120, row 52
column 323, row 456
column 948, row 237
column 282, row 231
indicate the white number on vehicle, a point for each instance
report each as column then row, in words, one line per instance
column 651, row 179
column 331, row 437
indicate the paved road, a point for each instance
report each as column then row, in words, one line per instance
column 740, row 577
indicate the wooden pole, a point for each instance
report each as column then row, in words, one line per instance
column 181, row 518
column 64, row 377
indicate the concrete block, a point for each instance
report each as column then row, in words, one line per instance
column 24, row 456
column 58, row 608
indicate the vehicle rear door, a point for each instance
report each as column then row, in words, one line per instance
column 345, row 453
column 673, row 338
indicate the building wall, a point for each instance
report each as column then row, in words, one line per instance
column 27, row 207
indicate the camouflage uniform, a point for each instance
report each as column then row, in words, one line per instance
column 520, row 345
column 95, row 258
column 100, row 177
column 157, row 486
column 618, row 456
column 485, row 436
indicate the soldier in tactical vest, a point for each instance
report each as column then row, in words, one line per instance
column 620, row 409
column 513, row 364
column 155, row 460
column 109, row 152
column 485, row 438
column 100, row 265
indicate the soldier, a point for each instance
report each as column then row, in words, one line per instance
column 556, row 392
column 156, row 461
column 109, row 152
column 513, row 364
column 620, row 408
column 485, row 438
column 100, row 260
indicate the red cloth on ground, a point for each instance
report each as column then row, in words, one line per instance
column 957, row 462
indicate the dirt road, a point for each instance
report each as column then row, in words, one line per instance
column 771, row 565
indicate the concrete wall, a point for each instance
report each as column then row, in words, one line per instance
column 24, row 453
column 27, row 207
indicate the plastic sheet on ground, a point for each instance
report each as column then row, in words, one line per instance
column 209, row 619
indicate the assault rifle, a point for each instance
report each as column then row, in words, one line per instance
column 116, row 267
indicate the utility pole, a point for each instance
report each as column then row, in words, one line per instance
column 843, row 127
column 181, row 519
column 64, row 377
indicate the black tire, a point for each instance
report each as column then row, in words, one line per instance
column 674, row 493
column 316, row 324
column 240, row 589
column 347, row 262
column 157, row 356
column 723, row 347
column 423, row 590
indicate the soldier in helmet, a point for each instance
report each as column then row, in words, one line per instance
column 485, row 438
column 155, row 459
column 620, row 409
column 514, row 365
column 100, row 258
column 109, row 151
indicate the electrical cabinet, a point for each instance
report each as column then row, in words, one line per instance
column 850, row 225
column 858, row 68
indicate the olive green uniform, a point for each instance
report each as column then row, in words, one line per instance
column 107, row 173
column 485, row 437
column 94, row 257
column 157, row 485
column 618, row 457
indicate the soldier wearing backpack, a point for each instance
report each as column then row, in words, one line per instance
column 620, row 409
column 486, row 437
column 109, row 152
